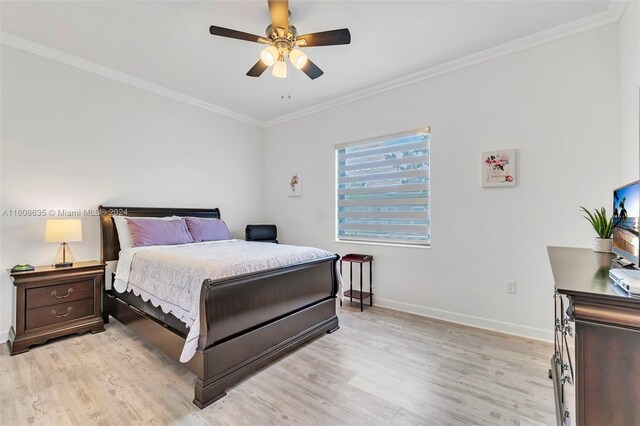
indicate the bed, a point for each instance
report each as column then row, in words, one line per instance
column 245, row 321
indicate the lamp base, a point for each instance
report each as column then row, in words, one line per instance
column 64, row 258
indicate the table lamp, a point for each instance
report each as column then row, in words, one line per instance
column 63, row 231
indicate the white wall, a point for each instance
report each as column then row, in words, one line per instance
column 629, row 34
column 74, row 140
column 557, row 104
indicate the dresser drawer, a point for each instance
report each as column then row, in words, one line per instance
column 55, row 314
column 62, row 293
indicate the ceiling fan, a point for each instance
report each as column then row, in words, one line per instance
column 283, row 42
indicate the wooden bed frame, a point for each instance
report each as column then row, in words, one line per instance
column 246, row 321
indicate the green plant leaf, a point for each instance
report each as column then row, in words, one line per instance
column 590, row 218
column 601, row 224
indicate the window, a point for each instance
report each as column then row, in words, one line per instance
column 383, row 189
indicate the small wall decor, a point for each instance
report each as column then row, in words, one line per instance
column 499, row 168
column 295, row 185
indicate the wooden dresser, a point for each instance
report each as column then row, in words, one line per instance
column 52, row 302
column 596, row 364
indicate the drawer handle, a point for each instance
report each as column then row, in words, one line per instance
column 55, row 294
column 53, row 312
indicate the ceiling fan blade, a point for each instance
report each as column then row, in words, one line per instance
column 325, row 38
column 257, row 69
column 312, row 70
column 279, row 10
column 239, row 35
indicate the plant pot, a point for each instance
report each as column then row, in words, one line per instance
column 602, row 245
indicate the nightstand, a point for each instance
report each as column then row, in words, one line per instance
column 53, row 302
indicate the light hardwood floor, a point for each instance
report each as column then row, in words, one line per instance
column 382, row 367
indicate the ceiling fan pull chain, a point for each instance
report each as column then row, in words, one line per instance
column 283, row 88
column 290, row 78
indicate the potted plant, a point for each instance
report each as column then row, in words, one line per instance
column 603, row 227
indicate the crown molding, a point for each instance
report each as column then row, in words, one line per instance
column 14, row 41
column 611, row 15
column 617, row 8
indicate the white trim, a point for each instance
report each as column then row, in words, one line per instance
column 617, row 7
column 56, row 55
column 4, row 336
column 609, row 16
column 426, row 245
column 469, row 320
column 422, row 131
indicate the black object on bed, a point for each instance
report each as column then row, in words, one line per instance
column 246, row 321
column 262, row 233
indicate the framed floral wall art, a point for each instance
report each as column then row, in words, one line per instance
column 295, row 185
column 499, row 168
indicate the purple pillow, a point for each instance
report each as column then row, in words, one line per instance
column 147, row 232
column 203, row 229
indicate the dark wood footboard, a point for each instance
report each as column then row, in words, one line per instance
column 237, row 305
column 246, row 321
column 231, row 361
column 250, row 320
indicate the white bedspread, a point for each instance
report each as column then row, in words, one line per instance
column 171, row 277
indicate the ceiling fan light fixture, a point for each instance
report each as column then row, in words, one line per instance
column 298, row 58
column 282, row 40
column 280, row 69
column 269, row 55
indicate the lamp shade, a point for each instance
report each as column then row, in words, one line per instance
column 298, row 58
column 280, row 69
column 63, row 230
column 269, row 55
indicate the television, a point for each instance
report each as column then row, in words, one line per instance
column 626, row 218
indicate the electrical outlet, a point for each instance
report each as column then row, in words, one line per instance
column 511, row 287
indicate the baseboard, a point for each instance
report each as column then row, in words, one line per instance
column 470, row 320
column 4, row 336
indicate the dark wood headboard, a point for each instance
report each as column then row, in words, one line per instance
column 110, row 246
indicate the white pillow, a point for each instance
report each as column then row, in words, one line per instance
column 124, row 234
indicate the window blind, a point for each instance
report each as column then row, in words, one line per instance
column 383, row 189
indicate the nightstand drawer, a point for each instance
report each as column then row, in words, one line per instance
column 55, row 314
column 56, row 294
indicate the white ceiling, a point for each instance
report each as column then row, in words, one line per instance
column 168, row 42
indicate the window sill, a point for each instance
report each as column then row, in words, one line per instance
column 372, row 243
